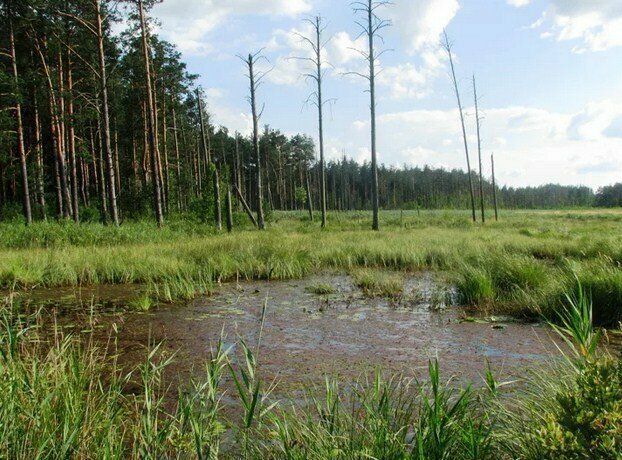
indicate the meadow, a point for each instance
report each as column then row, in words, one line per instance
column 67, row 396
column 522, row 265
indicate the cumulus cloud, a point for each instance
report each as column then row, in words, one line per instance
column 420, row 23
column 188, row 22
column 531, row 145
column 596, row 25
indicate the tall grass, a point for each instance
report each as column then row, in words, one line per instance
column 65, row 397
column 522, row 265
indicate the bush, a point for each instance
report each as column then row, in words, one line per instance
column 588, row 422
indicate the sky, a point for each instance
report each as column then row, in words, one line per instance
column 548, row 72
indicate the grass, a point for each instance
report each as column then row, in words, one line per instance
column 321, row 289
column 521, row 265
column 375, row 283
column 64, row 397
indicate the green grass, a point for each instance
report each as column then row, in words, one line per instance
column 375, row 283
column 521, row 265
column 321, row 289
column 63, row 397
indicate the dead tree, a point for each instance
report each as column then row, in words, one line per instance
column 317, row 45
column 479, row 151
column 371, row 26
column 229, row 211
column 447, row 47
column 494, row 187
column 217, row 208
column 153, row 146
column 255, row 78
column 204, row 146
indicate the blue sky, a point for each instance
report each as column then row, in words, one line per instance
column 549, row 74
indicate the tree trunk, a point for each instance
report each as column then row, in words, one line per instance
column 309, row 198
column 372, row 94
column 71, row 138
column 258, row 179
column 464, row 134
column 248, row 210
column 494, row 187
column 40, row 170
column 479, row 153
column 177, row 161
column 229, row 212
column 21, row 151
column 153, row 147
column 217, row 209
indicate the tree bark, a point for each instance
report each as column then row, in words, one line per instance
column 372, row 95
column 217, row 209
column 153, row 147
column 21, row 151
column 494, row 187
column 229, row 212
column 479, row 153
column 258, row 179
column 71, row 138
column 464, row 134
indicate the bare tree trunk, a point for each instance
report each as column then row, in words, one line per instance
column 103, row 82
column 309, row 197
column 177, row 161
column 40, row 170
column 217, row 209
column 258, row 179
column 464, row 134
column 117, row 169
column 229, row 211
column 204, row 129
column 100, row 171
column 494, row 187
column 156, row 124
column 21, row 151
column 479, row 152
column 167, row 177
column 248, row 210
column 71, row 137
column 62, row 138
column 62, row 194
column 238, row 165
column 153, row 147
column 320, row 106
column 371, row 28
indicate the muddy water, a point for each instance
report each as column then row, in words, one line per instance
column 307, row 336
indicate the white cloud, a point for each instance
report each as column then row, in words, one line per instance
column 518, row 3
column 596, row 24
column 421, row 22
column 532, row 146
column 187, row 23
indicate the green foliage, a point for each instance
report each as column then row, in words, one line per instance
column 585, row 421
column 577, row 328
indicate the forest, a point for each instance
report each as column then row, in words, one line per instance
column 96, row 126
column 172, row 289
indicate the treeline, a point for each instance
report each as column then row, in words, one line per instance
column 101, row 127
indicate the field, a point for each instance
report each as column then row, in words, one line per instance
column 415, row 342
column 521, row 265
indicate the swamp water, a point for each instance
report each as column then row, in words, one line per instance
column 307, row 336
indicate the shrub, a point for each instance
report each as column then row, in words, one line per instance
column 588, row 420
